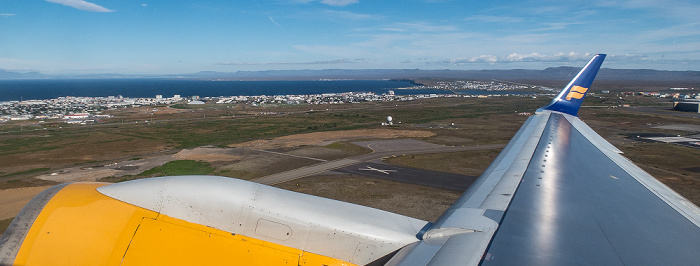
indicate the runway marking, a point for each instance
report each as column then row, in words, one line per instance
column 369, row 168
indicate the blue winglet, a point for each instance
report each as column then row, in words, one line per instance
column 570, row 98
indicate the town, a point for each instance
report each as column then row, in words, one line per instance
column 74, row 110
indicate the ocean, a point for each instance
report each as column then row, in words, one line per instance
column 38, row 89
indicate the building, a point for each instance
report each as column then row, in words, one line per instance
column 76, row 116
column 687, row 106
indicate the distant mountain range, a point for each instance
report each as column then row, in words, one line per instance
column 554, row 73
column 14, row 75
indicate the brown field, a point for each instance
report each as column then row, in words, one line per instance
column 320, row 138
column 13, row 199
column 57, row 150
column 407, row 199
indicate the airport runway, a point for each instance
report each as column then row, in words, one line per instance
column 381, row 148
column 411, row 175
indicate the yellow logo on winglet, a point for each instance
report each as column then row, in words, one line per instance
column 576, row 92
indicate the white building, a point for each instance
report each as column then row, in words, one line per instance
column 76, row 116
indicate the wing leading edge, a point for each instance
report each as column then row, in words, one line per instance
column 559, row 194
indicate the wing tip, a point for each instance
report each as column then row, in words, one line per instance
column 570, row 98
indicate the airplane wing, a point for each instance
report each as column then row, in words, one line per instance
column 557, row 194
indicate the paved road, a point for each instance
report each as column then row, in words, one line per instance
column 662, row 111
column 384, row 148
column 304, row 171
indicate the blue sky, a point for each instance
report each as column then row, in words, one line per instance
column 159, row 37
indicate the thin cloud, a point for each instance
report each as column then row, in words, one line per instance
column 674, row 9
column 6, row 15
column 629, row 57
column 558, row 57
column 494, row 19
column 467, row 60
column 346, row 15
column 330, row 2
column 82, row 5
column 553, row 26
column 275, row 22
column 339, row 2
column 515, row 57
column 326, row 62
column 419, row 27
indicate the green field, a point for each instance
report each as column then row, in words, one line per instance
column 182, row 167
column 4, row 224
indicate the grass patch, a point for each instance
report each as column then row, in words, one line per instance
column 180, row 167
column 115, row 179
column 619, row 114
column 239, row 174
column 348, row 147
column 4, row 224
column 31, row 171
column 471, row 163
column 179, row 106
column 416, row 201
column 25, row 182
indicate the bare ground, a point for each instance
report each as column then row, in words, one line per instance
column 415, row 201
column 88, row 174
column 65, row 153
column 321, row 138
column 12, row 200
column 319, row 152
column 208, row 154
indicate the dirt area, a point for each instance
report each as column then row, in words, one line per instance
column 78, row 175
column 232, row 162
column 13, row 200
column 319, row 152
column 323, row 138
column 208, row 154
column 88, row 174
column 54, row 151
column 166, row 110
column 415, row 201
column 257, row 164
column 471, row 163
column 144, row 111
